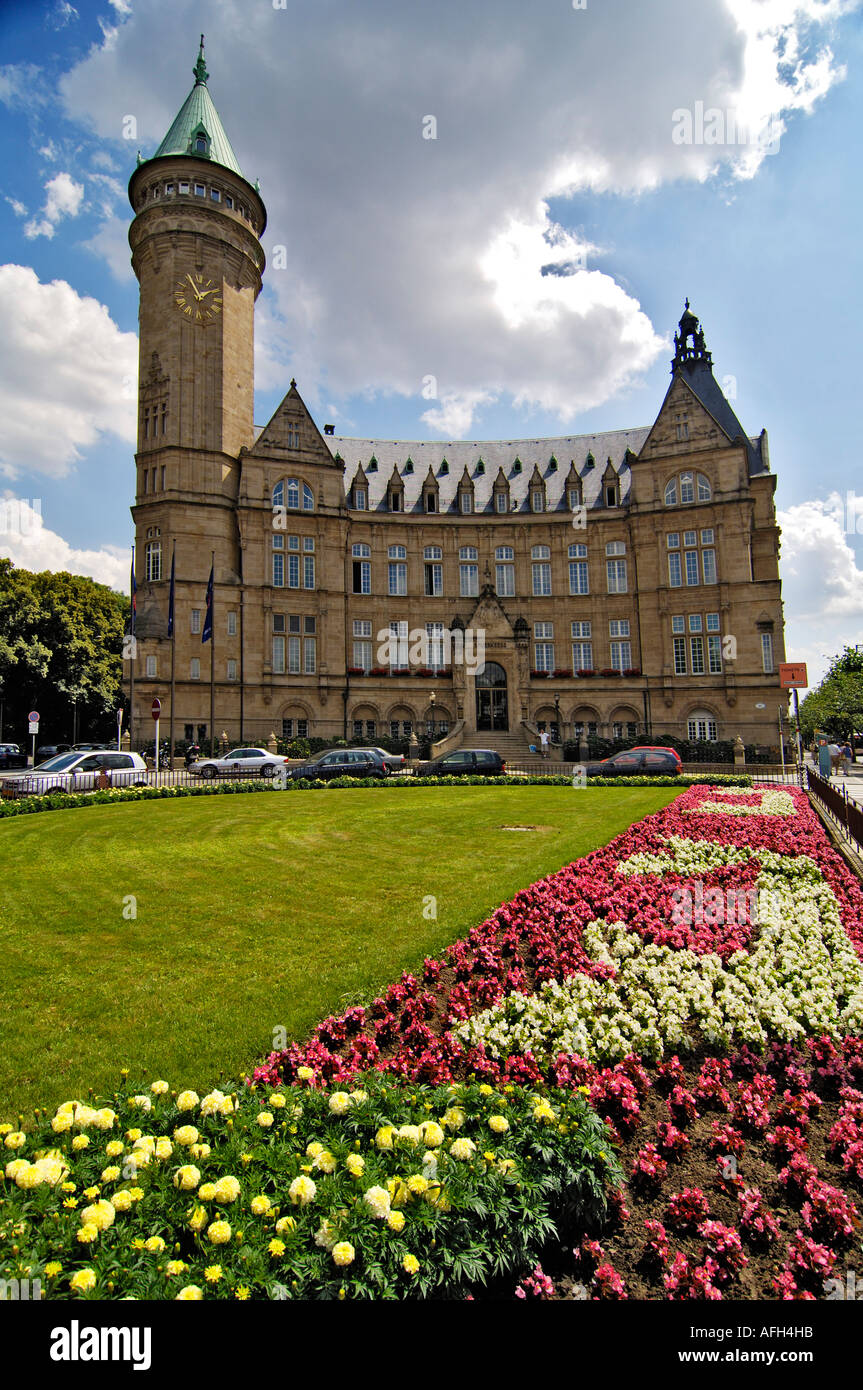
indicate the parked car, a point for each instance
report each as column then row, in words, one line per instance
column 83, row 772
column 90, row 747
column 638, row 762
column 342, row 762
column 50, row 750
column 240, row 762
column 11, row 756
column 465, row 762
column 394, row 761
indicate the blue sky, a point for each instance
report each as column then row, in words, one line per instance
column 410, row 257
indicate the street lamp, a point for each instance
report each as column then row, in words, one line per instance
column 557, row 715
column 432, row 698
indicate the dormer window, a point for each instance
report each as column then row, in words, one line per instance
column 537, row 500
column 361, row 498
column 501, row 503
column 611, row 494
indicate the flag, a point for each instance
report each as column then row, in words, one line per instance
column 134, row 590
column 207, row 633
column 171, row 599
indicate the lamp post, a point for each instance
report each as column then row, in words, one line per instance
column 432, row 698
column 557, row 716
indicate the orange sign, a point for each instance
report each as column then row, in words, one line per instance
column 793, row 674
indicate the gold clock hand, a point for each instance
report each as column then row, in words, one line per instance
column 194, row 286
column 204, row 293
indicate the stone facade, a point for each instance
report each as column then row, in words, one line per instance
column 648, row 557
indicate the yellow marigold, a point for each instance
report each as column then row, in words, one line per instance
column 463, row 1149
column 339, row 1103
column 199, row 1150
column 313, row 1149
column 155, row 1245
column 83, row 1281
column 242, row 1292
column 164, row 1148
column 187, row 1100
column 325, row 1236
column 159, row 1088
column 213, row 1274
column 16, row 1139
column 104, row 1119
column 358, row 1096
column 187, row 1177
column 227, row 1190
column 325, row 1162
column 91, row 1192
column 276, row 1100
column 228, row 1106
column 14, row 1167
column 498, row 1124
column 101, row 1214
column 343, row 1254
column 198, row 1219
column 174, row 1267
column 219, row 1233
column 384, row 1137
column 260, row 1205
column 71, row 1202
column 302, row 1191
column 110, row 1174
column 114, row 1148
column 355, row 1164
column 486, row 1090
column 136, row 1193
column 121, row 1201
column 506, row 1165
column 454, row 1117
column 284, row 1224
column 276, row 1249
column 207, row 1191
column 265, row 1119
column 5, row 1129
column 141, row 1102
column 61, row 1123
column 379, row 1200
column 417, row 1184
column 396, row 1221
column 190, row 1294
column 133, row 1135
column 68, row 1187
column 432, row 1134
column 186, row 1134
column 210, row 1104
column 88, row 1233
column 304, row 1073
column 81, row 1141
column 410, row 1264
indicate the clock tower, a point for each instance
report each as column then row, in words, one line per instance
column 196, row 251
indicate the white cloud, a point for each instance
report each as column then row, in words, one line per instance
column 67, row 375
column 822, row 580
column 18, row 208
column 63, row 199
column 27, row 542
column 22, row 85
column 111, row 244
column 409, row 256
column 62, row 14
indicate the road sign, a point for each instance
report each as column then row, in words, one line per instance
column 33, row 726
column 33, row 716
column 792, row 675
column 156, row 709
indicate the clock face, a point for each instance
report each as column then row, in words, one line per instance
column 197, row 298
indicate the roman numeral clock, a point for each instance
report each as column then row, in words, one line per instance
column 197, row 298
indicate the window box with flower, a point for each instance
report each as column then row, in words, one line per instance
column 610, row 671
column 539, row 675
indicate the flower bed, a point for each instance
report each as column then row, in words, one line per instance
column 376, row 1192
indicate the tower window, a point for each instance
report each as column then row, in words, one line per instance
column 215, row 195
column 200, row 191
column 229, row 202
column 184, row 187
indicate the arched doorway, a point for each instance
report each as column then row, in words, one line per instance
column 491, row 704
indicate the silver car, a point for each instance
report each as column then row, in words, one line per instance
column 241, row 762
column 84, row 772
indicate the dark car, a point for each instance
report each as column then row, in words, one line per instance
column 341, row 762
column 50, row 750
column 11, row 756
column 394, row 761
column 638, row 762
column 467, row 762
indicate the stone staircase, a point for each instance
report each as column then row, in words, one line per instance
column 513, row 747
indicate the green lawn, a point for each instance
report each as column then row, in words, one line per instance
column 253, row 913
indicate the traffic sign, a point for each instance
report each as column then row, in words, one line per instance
column 33, row 726
column 792, row 675
column 33, row 716
column 156, row 709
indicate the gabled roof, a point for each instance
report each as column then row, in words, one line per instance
column 199, row 114
column 703, row 384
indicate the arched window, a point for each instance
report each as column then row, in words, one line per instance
column 671, row 493
column 308, row 498
column 686, row 488
column 701, row 727
column 293, row 494
column 705, row 491
column 279, row 495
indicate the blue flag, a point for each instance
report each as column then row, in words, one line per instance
column 207, row 634
column 134, row 589
column 171, row 599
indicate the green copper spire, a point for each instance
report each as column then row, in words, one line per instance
column 197, row 129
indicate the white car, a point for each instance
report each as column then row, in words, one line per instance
column 241, row 762
column 84, row 772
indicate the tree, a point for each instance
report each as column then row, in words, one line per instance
column 61, row 641
column 836, row 706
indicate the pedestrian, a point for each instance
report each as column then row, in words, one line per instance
column 543, row 739
column 835, row 757
column 848, row 755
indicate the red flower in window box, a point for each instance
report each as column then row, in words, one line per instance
column 562, row 671
column 356, row 671
column 609, row 671
column 379, row 671
column 586, row 671
column 539, row 675
column 424, row 671
column 632, row 671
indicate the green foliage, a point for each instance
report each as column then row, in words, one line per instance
column 61, row 638
column 389, row 1191
column 836, row 706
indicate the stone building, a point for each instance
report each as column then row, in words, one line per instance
column 623, row 583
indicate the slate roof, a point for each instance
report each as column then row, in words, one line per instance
column 482, row 459
column 700, row 378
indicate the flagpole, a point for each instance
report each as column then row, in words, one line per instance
column 213, row 659
column 132, row 655
column 173, row 626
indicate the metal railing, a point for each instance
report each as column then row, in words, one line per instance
column 847, row 814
